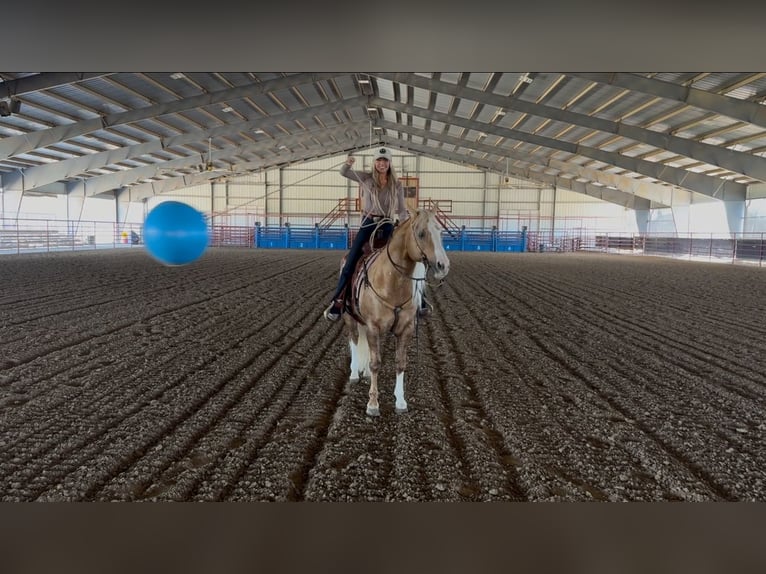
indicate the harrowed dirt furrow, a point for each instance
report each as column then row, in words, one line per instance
column 354, row 462
column 577, row 361
column 394, row 457
column 175, row 329
column 170, row 355
column 545, row 298
column 640, row 306
column 258, row 417
column 200, row 399
column 276, row 454
column 568, row 378
column 695, row 294
column 206, row 285
column 77, row 428
column 178, row 398
column 592, row 417
column 738, row 380
column 552, row 458
column 678, row 337
column 207, row 443
column 715, row 453
column 357, row 458
column 141, row 314
column 488, row 466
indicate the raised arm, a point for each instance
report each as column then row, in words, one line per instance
column 357, row 176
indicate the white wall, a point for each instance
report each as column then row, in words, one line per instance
column 303, row 194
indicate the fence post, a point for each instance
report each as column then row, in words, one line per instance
column 316, row 236
column 462, row 238
column 346, row 234
column 257, row 235
column 286, row 235
column 523, row 238
column 494, row 238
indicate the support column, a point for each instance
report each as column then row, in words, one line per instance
column 642, row 220
column 735, row 215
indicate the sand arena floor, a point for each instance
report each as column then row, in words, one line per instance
column 540, row 377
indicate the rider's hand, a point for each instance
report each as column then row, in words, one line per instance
column 350, row 160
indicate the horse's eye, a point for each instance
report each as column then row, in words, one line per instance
column 422, row 235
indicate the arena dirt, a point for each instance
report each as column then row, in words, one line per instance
column 540, row 377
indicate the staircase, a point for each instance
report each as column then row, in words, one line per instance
column 452, row 228
column 345, row 206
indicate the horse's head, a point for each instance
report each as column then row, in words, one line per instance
column 426, row 244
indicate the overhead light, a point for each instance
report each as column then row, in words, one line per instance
column 482, row 135
column 372, row 109
column 177, row 75
column 283, row 147
column 8, row 107
column 377, row 128
column 364, row 81
column 500, row 113
column 259, row 131
column 526, row 79
column 227, row 109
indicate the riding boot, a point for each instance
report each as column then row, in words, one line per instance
column 334, row 311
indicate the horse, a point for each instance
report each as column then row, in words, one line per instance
column 387, row 288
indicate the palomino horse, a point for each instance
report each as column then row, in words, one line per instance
column 387, row 297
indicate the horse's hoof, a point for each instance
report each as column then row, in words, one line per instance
column 353, row 379
column 401, row 410
column 373, row 412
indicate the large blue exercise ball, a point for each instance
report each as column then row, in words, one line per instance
column 175, row 233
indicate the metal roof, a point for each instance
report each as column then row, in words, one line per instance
column 627, row 138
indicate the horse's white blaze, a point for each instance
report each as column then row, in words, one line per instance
column 441, row 261
column 401, row 404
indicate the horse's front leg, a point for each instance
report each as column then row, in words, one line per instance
column 402, row 342
column 373, row 342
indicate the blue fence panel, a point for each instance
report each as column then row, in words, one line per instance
column 511, row 241
column 452, row 242
column 289, row 237
column 270, row 237
column 332, row 238
column 302, row 238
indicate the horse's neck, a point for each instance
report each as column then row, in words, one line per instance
column 397, row 252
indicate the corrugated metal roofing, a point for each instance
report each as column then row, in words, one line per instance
column 610, row 121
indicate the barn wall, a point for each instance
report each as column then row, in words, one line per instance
column 303, row 194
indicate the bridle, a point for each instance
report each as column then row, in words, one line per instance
column 423, row 257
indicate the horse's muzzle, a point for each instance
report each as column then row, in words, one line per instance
column 441, row 268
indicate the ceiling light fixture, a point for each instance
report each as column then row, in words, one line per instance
column 227, row 109
column 8, row 107
column 177, row 75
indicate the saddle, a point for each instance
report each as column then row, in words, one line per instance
column 353, row 288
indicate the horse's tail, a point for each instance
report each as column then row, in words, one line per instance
column 418, row 283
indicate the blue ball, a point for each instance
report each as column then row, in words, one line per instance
column 175, row 233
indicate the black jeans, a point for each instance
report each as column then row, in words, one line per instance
column 363, row 235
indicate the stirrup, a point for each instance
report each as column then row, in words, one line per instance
column 333, row 312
